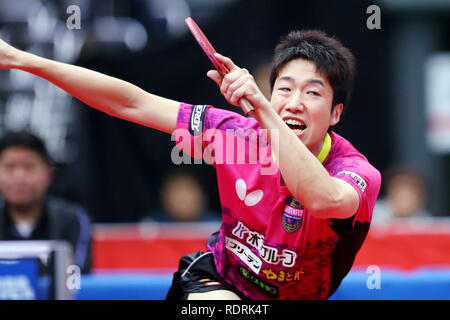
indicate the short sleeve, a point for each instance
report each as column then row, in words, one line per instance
column 199, row 125
column 364, row 178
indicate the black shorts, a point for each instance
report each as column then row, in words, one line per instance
column 197, row 273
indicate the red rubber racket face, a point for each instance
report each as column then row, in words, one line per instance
column 205, row 45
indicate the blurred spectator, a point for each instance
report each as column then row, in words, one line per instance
column 182, row 199
column 405, row 196
column 26, row 210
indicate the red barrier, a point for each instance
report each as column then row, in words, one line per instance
column 147, row 246
column 407, row 245
column 404, row 245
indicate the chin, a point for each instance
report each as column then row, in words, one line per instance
column 20, row 202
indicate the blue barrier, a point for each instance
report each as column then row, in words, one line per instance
column 394, row 285
column 124, row 287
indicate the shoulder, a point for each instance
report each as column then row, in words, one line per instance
column 347, row 163
column 344, row 155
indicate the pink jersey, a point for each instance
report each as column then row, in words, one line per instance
column 269, row 246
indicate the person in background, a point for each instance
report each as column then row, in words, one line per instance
column 182, row 199
column 27, row 212
column 405, row 196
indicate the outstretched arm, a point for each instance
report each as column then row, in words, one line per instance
column 115, row 97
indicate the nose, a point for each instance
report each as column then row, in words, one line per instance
column 295, row 103
column 19, row 174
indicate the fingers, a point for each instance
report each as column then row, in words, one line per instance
column 215, row 76
column 227, row 62
column 240, row 93
column 238, row 88
column 234, row 80
column 236, row 84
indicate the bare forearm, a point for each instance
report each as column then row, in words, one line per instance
column 303, row 174
column 107, row 94
column 100, row 91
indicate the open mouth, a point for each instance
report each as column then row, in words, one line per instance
column 295, row 125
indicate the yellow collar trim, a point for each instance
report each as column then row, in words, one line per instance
column 326, row 147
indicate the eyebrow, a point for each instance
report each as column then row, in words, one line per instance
column 309, row 81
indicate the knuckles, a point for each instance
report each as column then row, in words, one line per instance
column 233, row 89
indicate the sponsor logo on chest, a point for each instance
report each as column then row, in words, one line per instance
column 292, row 217
column 264, row 253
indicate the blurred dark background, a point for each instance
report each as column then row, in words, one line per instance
column 114, row 168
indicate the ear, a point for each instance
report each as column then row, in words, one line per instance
column 336, row 114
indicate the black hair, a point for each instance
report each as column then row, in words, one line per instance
column 27, row 140
column 331, row 58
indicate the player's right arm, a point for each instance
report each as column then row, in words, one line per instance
column 113, row 96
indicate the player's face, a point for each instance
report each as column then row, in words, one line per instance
column 24, row 176
column 303, row 99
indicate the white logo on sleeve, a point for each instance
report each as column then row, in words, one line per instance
column 250, row 199
column 358, row 179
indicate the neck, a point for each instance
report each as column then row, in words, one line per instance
column 325, row 148
column 318, row 150
column 29, row 212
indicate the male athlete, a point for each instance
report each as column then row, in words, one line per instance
column 292, row 234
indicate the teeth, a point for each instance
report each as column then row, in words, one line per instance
column 294, row 122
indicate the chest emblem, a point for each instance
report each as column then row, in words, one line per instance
column 292, row 216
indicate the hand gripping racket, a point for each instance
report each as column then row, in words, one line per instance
column 209, row 51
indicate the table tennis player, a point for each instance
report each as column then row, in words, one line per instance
column 292, row 234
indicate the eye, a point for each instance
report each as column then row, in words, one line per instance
column 284, row 89
column 314, row 93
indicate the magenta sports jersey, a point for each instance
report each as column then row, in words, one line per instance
column 269, row 246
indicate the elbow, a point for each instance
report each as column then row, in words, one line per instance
column 122, row 111
column 321, row 211
column 325, row 206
